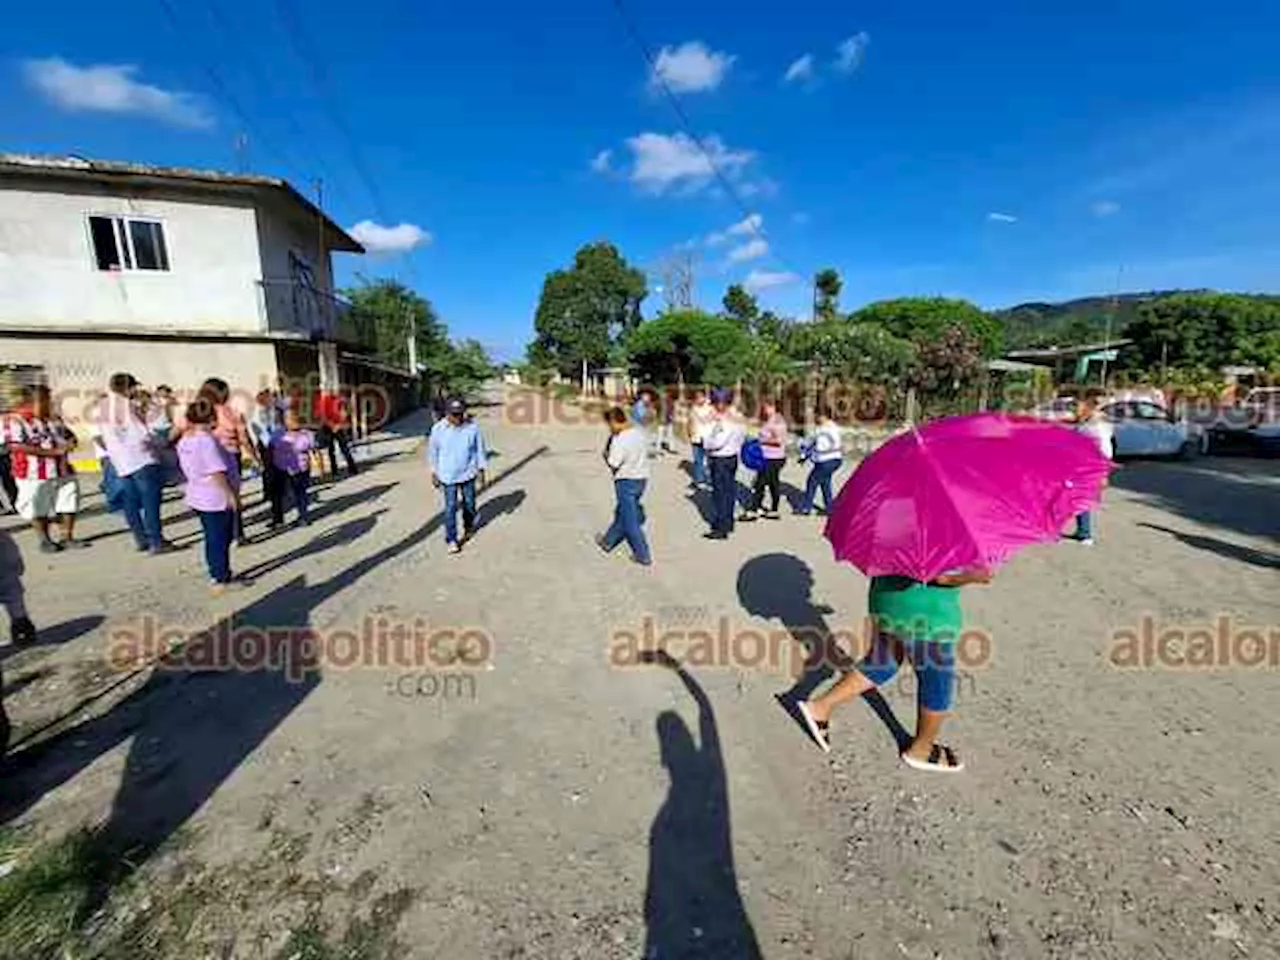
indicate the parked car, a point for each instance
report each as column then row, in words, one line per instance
column 1144, row 428
column 1251, row 424
column 1061, row 409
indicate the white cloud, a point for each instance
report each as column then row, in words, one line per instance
column 1105, row 208
column 401, row 238
column 1001, row 218
column 663, row 162
column 111, row 88
column 801, row 69
column 764, row 187
column 600, row 164
column 751, row 250
column 690, row 67
column 752, row 223
column 764, row 279
column 851, row 52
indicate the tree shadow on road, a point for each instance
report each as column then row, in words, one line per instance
column 1232, row 551
column 1237, row 495
column 206, row 706
column 779, row 586
column 692, row 907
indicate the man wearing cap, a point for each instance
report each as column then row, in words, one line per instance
column 122, row 436
column 723, row 443
column 456, row 455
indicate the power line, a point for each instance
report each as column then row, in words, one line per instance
column 259, row 79
column 749, row 215
column 305, row 51
column 223, row 93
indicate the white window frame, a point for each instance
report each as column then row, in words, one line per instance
column 120, row 227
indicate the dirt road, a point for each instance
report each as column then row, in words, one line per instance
column 551, row 803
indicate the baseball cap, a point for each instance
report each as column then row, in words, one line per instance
column 455, row 405
column 722, row 395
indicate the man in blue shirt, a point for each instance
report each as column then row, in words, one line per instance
column 456, row 455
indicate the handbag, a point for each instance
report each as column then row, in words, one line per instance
column 753, row 455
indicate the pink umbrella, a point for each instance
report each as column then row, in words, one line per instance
column 963, row 493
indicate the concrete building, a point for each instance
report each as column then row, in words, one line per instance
column 173, row 275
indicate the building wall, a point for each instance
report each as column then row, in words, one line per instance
column 77, row 369
column 48, row 276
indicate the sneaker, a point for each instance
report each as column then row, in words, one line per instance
column 641, row 563
column 23, row 632
column 454, row 548
column 600, row 542
column 747, row 516
column 715, row 535
column 50, row 546
column 771, row 515
column 1086, row 541
column 164, row 546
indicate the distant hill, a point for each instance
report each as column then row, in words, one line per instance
column 1072, row 321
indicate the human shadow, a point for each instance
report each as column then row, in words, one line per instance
column 1232, row 551
column 1233, row 494
column 206, row 706
column 779, row 586
column 490, row 510
column 56, row 634
column 793, row 495
column 345, row 501
column 340, row 535
column 705, row 504
column 692, row 907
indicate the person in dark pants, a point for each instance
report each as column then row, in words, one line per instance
column 773, row 443
column 291, row 459
column 627, row 455
column 723, row 443
column 266, row 427
column 336, row 417
column 211, row 493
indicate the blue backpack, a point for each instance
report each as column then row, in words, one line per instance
column 753, row 455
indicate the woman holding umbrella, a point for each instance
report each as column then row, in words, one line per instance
column 935, row 509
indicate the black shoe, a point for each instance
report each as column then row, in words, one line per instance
column 599, row 541
column 771, row 515
column 50, row 546
column 164, row 546
column 715, row 535
column 23, row 632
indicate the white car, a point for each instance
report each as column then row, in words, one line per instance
column 1146, row 429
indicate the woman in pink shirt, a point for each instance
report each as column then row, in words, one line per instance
column 773, row 443
column 211, row 489
column 231, row 431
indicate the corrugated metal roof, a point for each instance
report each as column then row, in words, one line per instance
column 107, row 171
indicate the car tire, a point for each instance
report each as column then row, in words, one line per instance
column 1191, row 450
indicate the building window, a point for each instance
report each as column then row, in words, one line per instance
column 122, row 243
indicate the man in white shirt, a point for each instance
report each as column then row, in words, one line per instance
column 627, row 455
column 122, row 437
column 723, row 443
column 1094, row 424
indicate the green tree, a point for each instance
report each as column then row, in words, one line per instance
column 741, row 306
column 858, row 352
column 689, row 346
column 383, row 312
column 923, row 320
column 827, row 286
column 1205, row 330
column 585, row 309
column 461, row 367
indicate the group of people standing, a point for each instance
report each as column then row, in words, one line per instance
column 720, row 437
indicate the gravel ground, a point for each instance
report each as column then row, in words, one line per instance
column 551, row 803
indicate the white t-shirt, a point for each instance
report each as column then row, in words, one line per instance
column 628, row 455
column 1102, row 431
column 125, row 437
column 828, row 442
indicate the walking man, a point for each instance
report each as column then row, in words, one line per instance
column 723, row 444
column 456, row 455
column 39, row 445
column 627, row 455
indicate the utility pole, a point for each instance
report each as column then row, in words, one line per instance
column 241, row 147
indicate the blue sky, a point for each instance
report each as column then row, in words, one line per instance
column 1003, row 152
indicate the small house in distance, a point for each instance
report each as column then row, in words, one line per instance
column 174, row 275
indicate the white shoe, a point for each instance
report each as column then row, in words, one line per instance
column 454, row 548
column 1086, row 541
